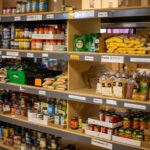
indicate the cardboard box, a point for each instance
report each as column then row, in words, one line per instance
column 55, row 5
column 145, row 2
column 110, row 3
column 126, row 141
column 147, row 132
column 76, row 4
column 91, row 4
column 146, row 145
column 98, row 134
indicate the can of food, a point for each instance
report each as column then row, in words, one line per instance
column 136, row 122
column 13, row 111
column 43, row 5
column 91, row 127
column 42, row 143
column 128, row 133
column 121, row 132
column 139, row 137
column 40, row 116
column 134, row 134
column 104, row 130
column 143, row 123
column 23, row 112
column 126, row 122
column 97, row 128
column 107, row 117
column 102, row 116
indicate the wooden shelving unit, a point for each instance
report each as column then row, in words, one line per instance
column 79, row 95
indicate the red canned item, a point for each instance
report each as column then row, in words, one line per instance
column 91, row 127
column 102, row 116
column 114, row 119
column 136, row 122
column 107, row 118
column 97, row 128
column 126, row 122
column 104, row 130
column 23, row 112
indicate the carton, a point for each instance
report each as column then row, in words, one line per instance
column 110, row 3
column 91, row 4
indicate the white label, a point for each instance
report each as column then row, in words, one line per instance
column 77, row 97
column 144, row 60
column 128, row 105
column 12, row 54
column 21, row 89
column 101, row 144
column 30, row 55
column 18, row 18
column 50, row 16
column 34, row 17
column 42, row 92
column 102, row 14
column 112, row 59
column 0, row 52
column 89, row 58
column 111, row 102
column 97, row 101
column 84, row 14
column 45, row 55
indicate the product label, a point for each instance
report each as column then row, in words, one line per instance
column 50, row 16
column 34, row 17
column 77, row 97
column 142, row 60
column 18, row 18
column 102, row 14
column 84, row 14
column 97, row 101
column 112, row 59
column 89, row 58
column 102, row 144
column 111, row 102
column 42, row 92
column 136, row 106
column 75, row 57
column 12, row 54
column 45, row 55
column 30, row 55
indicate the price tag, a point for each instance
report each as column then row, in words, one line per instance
column 30, row 55
column 77, row 97
column 34, row 17
column 136, row 106
column 102, row 14
column 75, row 57
column 102, row 144
column 112, row 59
column 89, row 58
column 42, row 92
column 18, row 18
column 50, row 16
column 45, row 55
column 111, row 102
column 21, row 89
column 97, row 101
column 142, row 60
column 12, row 54
column 84, row 14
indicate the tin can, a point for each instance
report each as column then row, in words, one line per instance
column 13, row 111
column 97, row 128
column 104, row 130
column 121, row 132
column 128, row 133
column 139, row 137
column 126, row 122
column 134, row 134
column 143, row 123
column 91, row 127
column 74, row 123
column 23, row 112
column 136, row 122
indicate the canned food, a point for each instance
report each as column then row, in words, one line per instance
column 104, row 130
column 91, row 127
column 107, row 118
column 128, row 133
column 126, row 122
column 139, row 137
column 97, row 128
column 136, row 122
column 121, row 132
column 143, row 123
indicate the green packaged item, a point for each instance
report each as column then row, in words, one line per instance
column 81, row 43
column 16, row 76
column 94, row 43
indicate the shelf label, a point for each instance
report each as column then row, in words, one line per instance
column 34, row 17
column 30, row 55
column 84, row 14
column 75, row 57
column 142, row 60
column 0, row 52
column 12, row 54
column 44, row 55
column 102, row 14
column 97, row 101
column 102, row 144
column 18, row 18
column 112, row 59
column 136, row 106
column 21, row 89
column 89, row 58
column 77, row 97
column 50, row 16
column 111, row 102
column 42, row 92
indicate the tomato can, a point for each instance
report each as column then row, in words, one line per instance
column 107, row 118
column 97, row 128
column 128, row 133
column 104, row 130
column 91, row 127
column 121, row 132
column 126, row 122
column 136, row 122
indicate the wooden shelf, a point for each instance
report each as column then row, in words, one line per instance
column 83, row 95
column 66, row 133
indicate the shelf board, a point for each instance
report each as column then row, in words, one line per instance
column 121, row 12
column 81, row 95
column 78, row 56
column 66, row 133
column 5, row 147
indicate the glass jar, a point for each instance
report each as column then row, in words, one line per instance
column 33, row 45
column 74, row 124
column 39, row 45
